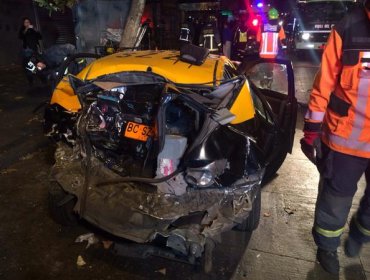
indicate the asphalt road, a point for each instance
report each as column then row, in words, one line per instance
column 32, row 246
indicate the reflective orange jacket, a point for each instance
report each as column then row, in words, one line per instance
column 340, row 98
column 269, row 35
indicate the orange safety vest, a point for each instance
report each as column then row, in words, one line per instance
column 269, row 36
column 341, row 92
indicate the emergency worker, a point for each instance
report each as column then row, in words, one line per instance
column 240, row 37
column 337, row 137
column 187, row 31
column 210, row 37
column 270, row 35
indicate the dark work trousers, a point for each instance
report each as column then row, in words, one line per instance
column 339, row 175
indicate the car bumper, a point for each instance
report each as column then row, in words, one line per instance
column 140, row 213
column 309, row 46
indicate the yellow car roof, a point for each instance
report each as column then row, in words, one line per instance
column 163, row 63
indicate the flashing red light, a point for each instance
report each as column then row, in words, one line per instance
column 255, row 22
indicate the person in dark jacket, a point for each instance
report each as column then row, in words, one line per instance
column 210, row 37
column 227, row 37
column 31, row 44
column 30, row 37
column 46, row 65
column 187, row 32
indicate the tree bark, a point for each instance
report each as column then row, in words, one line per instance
column 132, row 24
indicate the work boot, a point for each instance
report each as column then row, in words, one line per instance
column 328, row 260
column 352, row 248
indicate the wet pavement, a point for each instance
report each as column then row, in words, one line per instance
column 19, row 124
column 282, row 247
column 32, row 246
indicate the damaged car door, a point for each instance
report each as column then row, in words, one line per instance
column 273, row 93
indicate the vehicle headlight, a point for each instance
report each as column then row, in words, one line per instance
column 199, row 178
column 206, row 179
column 306, row 36
column 204, row 176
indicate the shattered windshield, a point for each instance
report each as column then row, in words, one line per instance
column 132, row 78
column 325, row 11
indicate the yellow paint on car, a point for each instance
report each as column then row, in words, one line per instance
column 163, row 63
column 243, row 107
column 64, row 96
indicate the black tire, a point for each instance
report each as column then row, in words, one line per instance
column 62, row 214
column 273, row 167
column 253, row 220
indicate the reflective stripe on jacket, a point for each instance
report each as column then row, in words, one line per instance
column 341, row 92
column 269, row 45
column 269, row 35
column 210, row 37
column 185, row 34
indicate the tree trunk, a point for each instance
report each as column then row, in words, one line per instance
column 132, row 24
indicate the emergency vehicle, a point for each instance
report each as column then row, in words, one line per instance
column 313, row 20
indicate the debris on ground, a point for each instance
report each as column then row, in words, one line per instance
column 26, row 157
column 18, row 97
column 266, row 214
column 36, row 118
column 241, row 272
column 107, row 244
column 80, row 261
column 161, row 271
column 89, row 237
column 289, row 210
column 7, row 171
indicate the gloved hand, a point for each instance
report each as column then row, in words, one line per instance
column 311, row 145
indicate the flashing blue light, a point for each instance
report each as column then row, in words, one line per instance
column 260, row 5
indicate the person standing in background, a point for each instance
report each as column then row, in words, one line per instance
column 227, row 37
column 30, row 37
column 271, row 35
column 210, row 36
column 187, row 31
column 31, row 44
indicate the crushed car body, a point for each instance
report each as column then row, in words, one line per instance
column 156, row 148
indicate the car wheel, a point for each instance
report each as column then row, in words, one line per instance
column 61, row 205
column 253, row 220
column 273, row 167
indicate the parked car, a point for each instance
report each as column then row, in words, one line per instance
column 162, row 145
